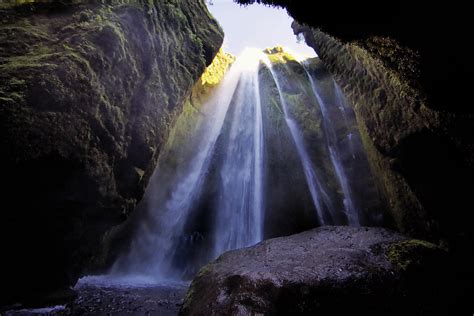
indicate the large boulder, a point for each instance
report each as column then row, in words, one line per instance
column 328, row 270
column 89, row 91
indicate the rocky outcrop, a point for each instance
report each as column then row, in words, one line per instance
column 88, row 93
column 327, row 271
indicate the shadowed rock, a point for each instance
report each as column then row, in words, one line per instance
column 328, row 270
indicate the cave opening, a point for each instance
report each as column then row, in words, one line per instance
column 145, row 150
column 257, row 25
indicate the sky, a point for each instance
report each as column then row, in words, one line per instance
column 256, row 26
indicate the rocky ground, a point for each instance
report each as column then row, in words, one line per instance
column 96, row 299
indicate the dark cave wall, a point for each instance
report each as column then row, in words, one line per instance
column 88, row 94
column 422, row 155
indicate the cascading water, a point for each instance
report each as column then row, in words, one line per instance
column 219, row 189
column 240, row 199
column 342, row 106
column 320, row 198
column 351, row 211
column 170, row 203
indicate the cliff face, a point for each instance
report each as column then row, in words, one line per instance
column 388, row 111
column 88, row 93
column 422, row 155
column 326, row 124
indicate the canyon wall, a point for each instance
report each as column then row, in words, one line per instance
column 88, row 93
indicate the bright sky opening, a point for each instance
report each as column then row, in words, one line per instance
column 256, row 26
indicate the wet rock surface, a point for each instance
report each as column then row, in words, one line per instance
column 329, row 270
column 110, row 300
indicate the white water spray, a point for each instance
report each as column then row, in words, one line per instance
column 170, row 203
column 240, row 208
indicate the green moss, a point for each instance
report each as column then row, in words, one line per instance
column 15, row 81
column 277, row 55
column 207, row 268
column 309, row 120
column 38, row 57
column 15, row 2
column 189, row 297
column 215, row 72
column 192, row 291
column 399, row 197
column 275, row 105
column 176, row 12
column 26, row 30
column 405, row 253
column 280, row 58
column 8, row 100
column 183, row 126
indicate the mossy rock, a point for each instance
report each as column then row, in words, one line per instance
column 407, row 253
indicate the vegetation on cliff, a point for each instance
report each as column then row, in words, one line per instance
column 186, row 122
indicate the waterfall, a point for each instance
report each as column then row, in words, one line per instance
column 160, row 235
column 211, row 190
column 240, row 199
column 351, row 212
